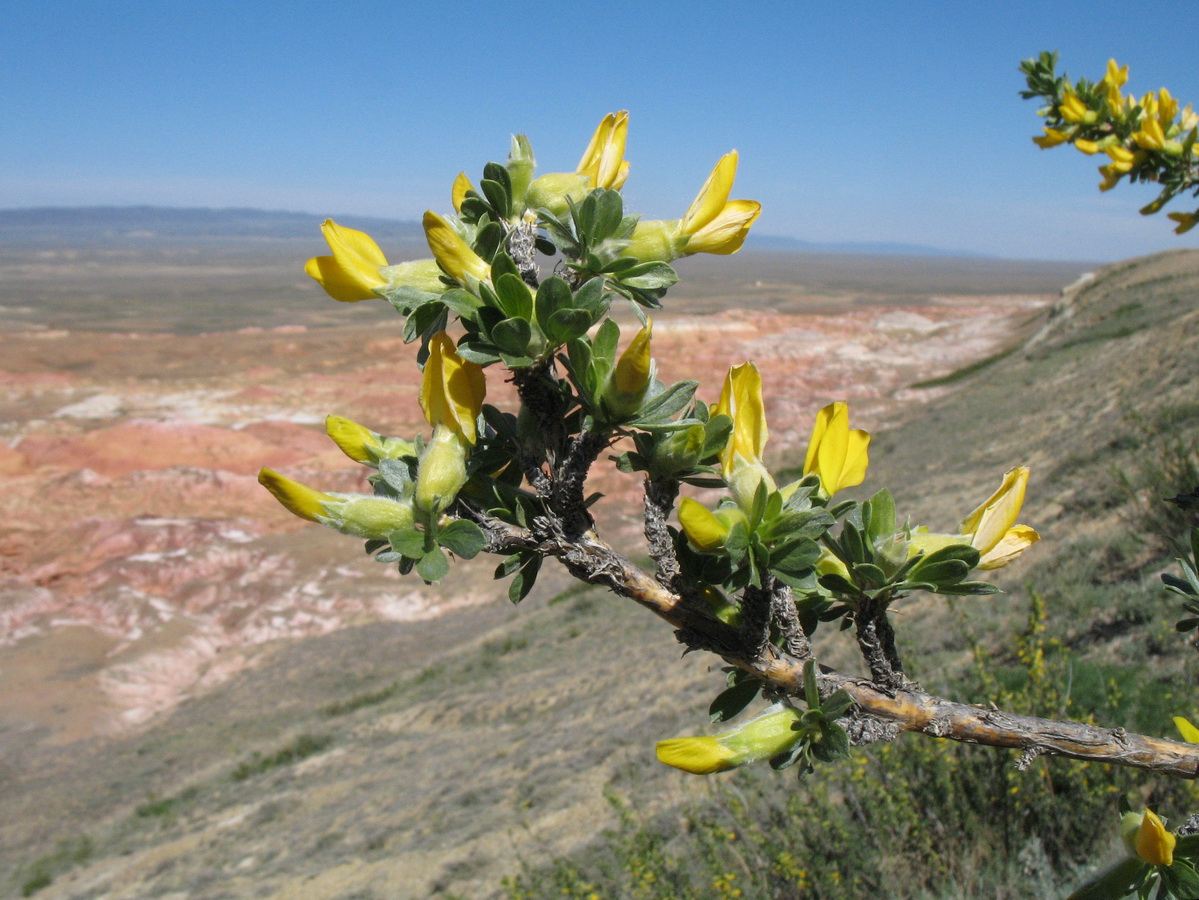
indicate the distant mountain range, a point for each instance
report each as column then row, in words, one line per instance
column 91, row 225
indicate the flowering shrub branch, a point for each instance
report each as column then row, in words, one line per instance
column 752, row 579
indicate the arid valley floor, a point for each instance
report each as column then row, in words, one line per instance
column 162, row 619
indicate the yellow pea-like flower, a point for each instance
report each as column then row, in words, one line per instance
column 1154, row 844
column 763, row 737
column 835, row 453
column 352, row 272
column 362, row 445
column 1073, row 110
column 452, row 394
column 602, row 166
column 1051, row 138
column 1151, row 136
column 1186, row 221
column 741, row 458
column 362, row 515
column 712, row 224
column 452, row 253
column 991, row 526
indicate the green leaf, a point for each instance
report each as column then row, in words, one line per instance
column 512, row 336
column 395, row 473
column 553, row 295
column 463, row 538
column 497, row 195
column 733, row 700
column 525, row 577
column 668, row 402
column 489, row 240
column 515, row 298
column 591, row 297
column 944, row 573
column 412, row 544
column 836, row 704
column 433, row 566
column 603, row 345
column 796, row 557
column 463, row 303
column 833, row 743
column 650, row 276
column 971, row 588
column 878, row 516
column 567, row 324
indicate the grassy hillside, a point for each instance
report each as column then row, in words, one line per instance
column 432, row 759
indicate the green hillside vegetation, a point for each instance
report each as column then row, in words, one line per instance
column 509, row 752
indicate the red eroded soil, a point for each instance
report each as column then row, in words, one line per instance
column 129, row 505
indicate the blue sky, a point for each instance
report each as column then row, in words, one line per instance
column 855, row 121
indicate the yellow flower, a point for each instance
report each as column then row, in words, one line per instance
column 1186, row 221
column 991, row 527
column 1189, row 732
column 1111, row 178
column 1167, row 108
column 357, row 514
column 298, row 499
column 352, row 272
column 602, row 166
column 452, row 389
column 764, row 737
column 603, row 162
column 712, row 224
column 839, row 456
column 452, row 253
column 1122, row 159
column 1155, row 845
column 1051, row 138
column 458, row 192
column 451, row 396
column 632, row 376
column 1074, row 110
column 1090, row 148
column 1151, row 136
column 634, row 368
column 741, row 458
column 1111, row 83
column 707, row 530
column 363, row 445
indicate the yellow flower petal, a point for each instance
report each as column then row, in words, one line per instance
column 452, row 389
column 1155, row 845
column 633, row 370
column 350, row 437
column 713, row 195
column 451, row 252
column 1052, row 138
column 727, row 232
column 298, row 499
column 603, row 160
column 989, row 523
column 705, row 532
column 1017, row 539
column 458, row 192
column 352, row 272
column 838, row 455
column 741, row 401
column 697, row 755
column 1189, row 732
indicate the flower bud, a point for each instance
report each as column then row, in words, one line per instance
column 363, row 515
column 707, row 530
column 520, row 170
column 1154, row 844
column 363, row 445
column 632, row 376
column 441, row 472
column 764, row 737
